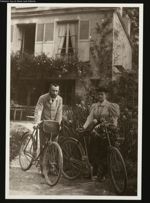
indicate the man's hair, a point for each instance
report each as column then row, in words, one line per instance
column 53, row 84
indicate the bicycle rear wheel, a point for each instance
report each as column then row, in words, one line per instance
column 72, row 154
column 52, row 163
column 117, row 170
column 27, row 151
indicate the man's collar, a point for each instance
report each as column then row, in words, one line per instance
column 50, row 98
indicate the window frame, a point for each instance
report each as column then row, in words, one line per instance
column 47, row 41
column 44, row 31
column 39, row 41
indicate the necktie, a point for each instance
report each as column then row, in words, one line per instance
column 51, row 101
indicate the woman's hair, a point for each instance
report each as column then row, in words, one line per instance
column 102, row 89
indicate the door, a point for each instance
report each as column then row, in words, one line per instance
column 28, row 38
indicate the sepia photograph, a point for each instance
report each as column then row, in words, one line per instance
column 74, row 101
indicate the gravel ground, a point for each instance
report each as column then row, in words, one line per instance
column 30, row 183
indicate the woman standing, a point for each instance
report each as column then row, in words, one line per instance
column 110, row 112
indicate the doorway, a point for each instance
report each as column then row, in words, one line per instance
column 28, row 38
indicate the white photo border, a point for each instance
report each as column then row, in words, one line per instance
column 140, row 98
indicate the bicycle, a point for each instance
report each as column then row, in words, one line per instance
column 30, row 151
column 76, row 159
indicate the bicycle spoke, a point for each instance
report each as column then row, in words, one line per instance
column 28, row 155
column 26, row 158
column 51, row 164
column 76, row 163
column 26, row 152
column 72, row 159
column 65, row 154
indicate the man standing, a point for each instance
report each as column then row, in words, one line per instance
column 49, row 107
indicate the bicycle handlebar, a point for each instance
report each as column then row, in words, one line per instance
column 104, row 123
column 37, row 125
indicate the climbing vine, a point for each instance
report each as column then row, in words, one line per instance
column 101, row 47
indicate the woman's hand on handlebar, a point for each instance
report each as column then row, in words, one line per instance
column 80, row 130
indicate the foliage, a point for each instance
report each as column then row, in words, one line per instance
column 41, row 66
column 133, row 13
column 16, row 132
column 75, row 116
column 125, row 90
column 101, row 47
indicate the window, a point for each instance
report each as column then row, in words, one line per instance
column 84, row 29
column 49, row 30
column 67, row 47
column 40, row 32
column 67, row 40
column 12, row 30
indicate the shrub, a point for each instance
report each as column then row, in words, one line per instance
column 16, row 132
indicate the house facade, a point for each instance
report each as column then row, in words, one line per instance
column 89, row 34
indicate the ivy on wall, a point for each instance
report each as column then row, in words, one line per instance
column 101, row 47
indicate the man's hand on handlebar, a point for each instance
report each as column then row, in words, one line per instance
column 37, row 124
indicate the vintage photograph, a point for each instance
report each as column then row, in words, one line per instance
column 74, row 101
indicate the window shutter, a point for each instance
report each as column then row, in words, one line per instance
column 84, row 29
column 40, row 31
column 49, row 31
column 12, row 30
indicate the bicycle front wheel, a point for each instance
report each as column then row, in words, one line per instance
column 27, row 151
column 72, row 154
column 52, row 163
column 117, row 170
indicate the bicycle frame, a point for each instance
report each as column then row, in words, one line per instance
column 51, row 161
column 37, row 141
column 86, row 153
column 112, row 151
column 107, row 135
